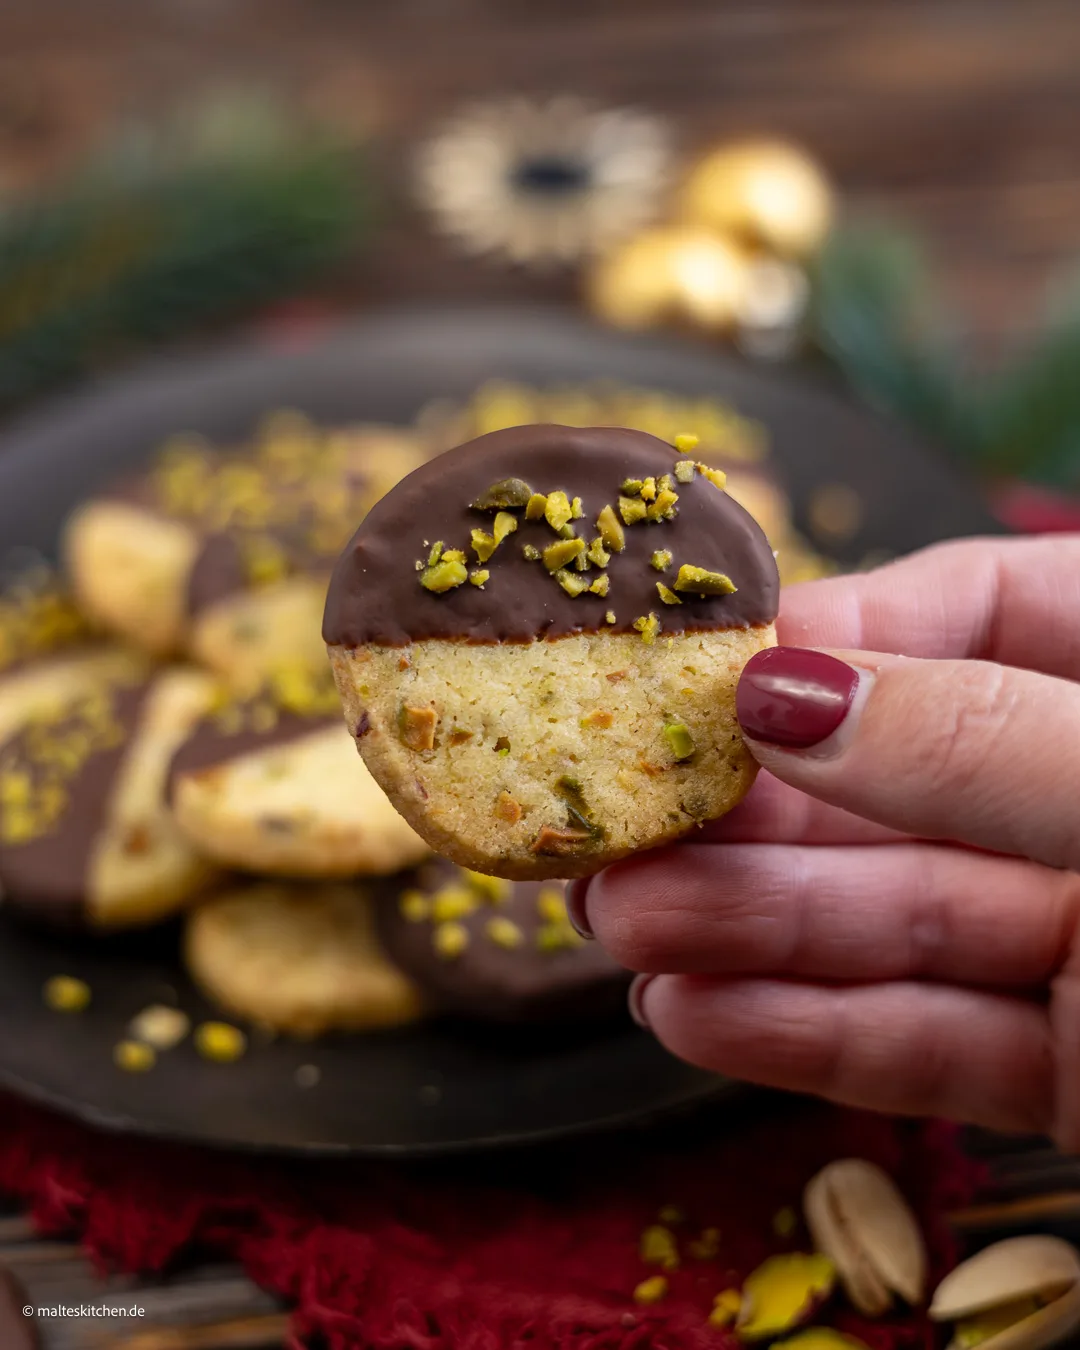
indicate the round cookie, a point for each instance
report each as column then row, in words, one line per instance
column 301, row 959
column 86, row 839
column 537, row 638
column 273, row 785
column 227, row 555
column 496, row 950
column 48, row 654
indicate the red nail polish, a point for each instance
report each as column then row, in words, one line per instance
column 793, row 697
column 637, row 989
column 575, row 907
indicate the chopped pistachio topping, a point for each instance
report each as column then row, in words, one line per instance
column 557, row 511
column 530, row 552
column 703, row 582
column 134, row 1056
column 648, row 626
column 562, row 552
column 507, row 492
column 648, row 490
column 661, row 559
column 685, row 470
column 536, row 506
column 581, row 562
column 414, row 906
column 685, row 442
column 435, row 554
column 576, row 510
column 483, row 544
column 566, row 532
column 631, row 487
column 444, row 576
column 611, row 532
column 609, row 617
column 504, row 932
column 667, row 595
column 717, row 477
column 479, row 576
column 505, row 524
column 220, row 1042
column 453, row 555
column 664, row 506
column 453, row 902
column 65, row 993
column 573, row 583
column 597, row 553
column 680, row 742
column 632, row 509
column 450, row 940
column 600, row 585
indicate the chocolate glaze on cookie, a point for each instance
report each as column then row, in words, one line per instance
column 376, row 595
column 215, row 740
column 539, row 971
column 47, row 840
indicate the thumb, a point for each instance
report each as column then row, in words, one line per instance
column 965, row 750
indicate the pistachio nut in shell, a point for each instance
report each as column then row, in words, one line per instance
column 782, row 1293
column 858, row 1217
column 1020, row 1294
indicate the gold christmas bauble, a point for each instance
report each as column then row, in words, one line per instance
column 671, row 272
column 766, row 192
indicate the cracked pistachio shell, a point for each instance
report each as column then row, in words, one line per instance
column 857, row 1216
column 1032, row 1267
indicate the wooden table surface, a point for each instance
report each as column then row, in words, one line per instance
column 960, row 115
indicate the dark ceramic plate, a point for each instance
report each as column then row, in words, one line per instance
column 440, row 1087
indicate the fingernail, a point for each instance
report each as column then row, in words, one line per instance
column 793, row 697
column 637, row 991
column 575, row 907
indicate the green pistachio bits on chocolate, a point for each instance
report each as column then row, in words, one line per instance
column 667, row 595
column 612, row 534
column 680, row 742
column 664, row 506
column 483, row 544
column 573, row 583
column 661, row 559
column 609, row 617
column 703, row 582
column 536, row 506
column 632, row 509
column 444, row 576
column 558, row 511
column 506, row 494
column 648, row 625
column 505, row 524
column 598, row 554
column 530, row 553
column 479, row 576
column 685, row 470
column 631, row 487
column 453, row 555
column 559, row 554
column 435, row 554
column 601, row 586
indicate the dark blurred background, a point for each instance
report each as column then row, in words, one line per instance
column 954, row 122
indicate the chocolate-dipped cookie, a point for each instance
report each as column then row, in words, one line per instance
column 537, row 638
column 272, row 784
column 48, row 654
column 85, row 836
column 227, row 555
column 301, row 959
column 497, row 950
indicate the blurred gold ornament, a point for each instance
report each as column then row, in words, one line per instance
column 766, row 192
column 671, row 272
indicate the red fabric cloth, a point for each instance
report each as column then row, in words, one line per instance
column 491, row 1252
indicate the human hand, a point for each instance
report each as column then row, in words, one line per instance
column 892, row 917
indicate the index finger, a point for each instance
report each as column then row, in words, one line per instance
column 1012, row 601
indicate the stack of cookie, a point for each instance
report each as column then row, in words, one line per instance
column 171, row 744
